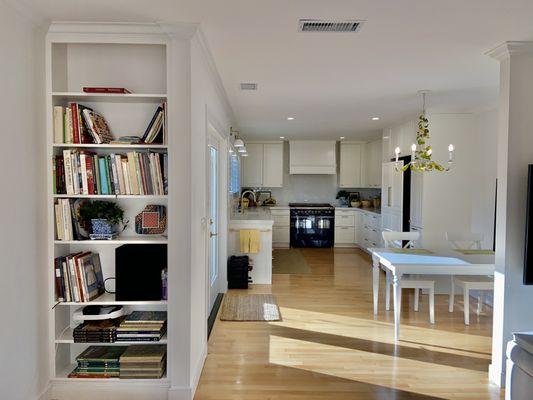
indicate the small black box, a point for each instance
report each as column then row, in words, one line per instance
column 138, row 271
column 238, row 272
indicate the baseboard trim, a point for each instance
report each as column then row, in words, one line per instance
column 180, row 393
column 496, row 376
column 212, row 317
column 198, row 371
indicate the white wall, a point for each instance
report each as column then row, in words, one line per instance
column 23, row 287
column 208, row 101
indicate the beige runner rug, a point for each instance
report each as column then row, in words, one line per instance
column 250, row 307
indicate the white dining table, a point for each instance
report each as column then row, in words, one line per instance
column 423, row 262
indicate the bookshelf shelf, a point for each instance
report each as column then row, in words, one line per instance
column 67, row 338
column 110, row 146
column 110, row 97
column 156, row 239
column 111, row 196
column 108, row 299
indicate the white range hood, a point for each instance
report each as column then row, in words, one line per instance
column 312, row 157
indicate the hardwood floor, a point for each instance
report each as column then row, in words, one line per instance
column 330, row 346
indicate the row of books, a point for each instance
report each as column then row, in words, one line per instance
column 79, row 124
column 78, row 277
column 126, row 362
column 81, row 172
column 99, row 331
column 142, row 326
column 64, row 212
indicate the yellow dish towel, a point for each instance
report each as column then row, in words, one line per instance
column 250, row 241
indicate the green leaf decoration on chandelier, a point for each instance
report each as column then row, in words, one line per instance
column 422, row 161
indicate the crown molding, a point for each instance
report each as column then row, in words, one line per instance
column 507, row 49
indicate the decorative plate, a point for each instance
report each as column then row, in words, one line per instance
column 152, row 220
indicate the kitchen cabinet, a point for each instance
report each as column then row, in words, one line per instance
column 392, row 197
column 282, row 227
column 370, row 230
column 345, row 227
column 372, row 160
column 350, row 166
column 264, row 165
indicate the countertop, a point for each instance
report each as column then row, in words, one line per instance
column 367, row 210
column 253, row 214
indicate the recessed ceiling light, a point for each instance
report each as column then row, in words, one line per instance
column 375, row 118
column 290, row 118
column 342, row 137
column 282, row 137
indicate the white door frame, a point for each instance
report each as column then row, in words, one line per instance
column 215, row 137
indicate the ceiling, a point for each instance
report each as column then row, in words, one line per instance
column 333, row 83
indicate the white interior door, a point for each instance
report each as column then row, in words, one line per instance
column 213, row 216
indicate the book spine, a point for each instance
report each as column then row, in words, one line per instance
column 138, row 173
column 81, row 278
column 109, row 177
column 125, row 174
column 83, row 170
column 54, row 174
column 66, row 274
column 57, row 273
column 106, row 90
column 90, row 124
column 120, row 175
column 68, row 171
column 90, row 173
column 132, row 174
column 58, row 124
column 98, row 183
column 75, row 123
column 114, row 174
column 165, row 173
column 142, row 171
column 74, row 157
column 103, row 178
column 59, row 224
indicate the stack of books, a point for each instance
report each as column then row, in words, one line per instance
column 77, row 124
column 143, row 326
column 78, row 277
column 143, row 362
column 99, row 362
column 80, row 172
column 101, row 331
column 156, row 130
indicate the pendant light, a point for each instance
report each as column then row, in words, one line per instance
column 421, row 151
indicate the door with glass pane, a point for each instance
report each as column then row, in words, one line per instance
column 213, row 208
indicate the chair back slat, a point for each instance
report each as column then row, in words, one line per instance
column 397, row 239
column 465, row 241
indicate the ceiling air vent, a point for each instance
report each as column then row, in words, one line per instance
column 248, row 86
column 320, row 25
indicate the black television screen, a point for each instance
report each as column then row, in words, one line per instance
column 528, row 252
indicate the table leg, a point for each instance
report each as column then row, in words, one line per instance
column 397, row 305
column 375, row 283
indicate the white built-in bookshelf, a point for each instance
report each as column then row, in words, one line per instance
column 138, row 62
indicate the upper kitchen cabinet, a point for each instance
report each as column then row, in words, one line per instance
column 264, row 165
column 372, row 164
column 312, row 157
column 351, row 163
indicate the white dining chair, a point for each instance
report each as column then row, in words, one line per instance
column 468, row 241
column 396, row 240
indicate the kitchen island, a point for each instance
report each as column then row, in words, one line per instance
column 256, row 218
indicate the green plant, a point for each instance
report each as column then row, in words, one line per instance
column 100, row 210
column 342, row 194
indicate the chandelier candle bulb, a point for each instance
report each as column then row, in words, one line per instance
column 450, row 150
column 397, row 152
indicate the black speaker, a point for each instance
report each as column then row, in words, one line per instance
column 138, row 270
column 528, row 251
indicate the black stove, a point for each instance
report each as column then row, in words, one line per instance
column 312, row 224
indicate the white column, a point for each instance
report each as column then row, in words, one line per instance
column 512, row 299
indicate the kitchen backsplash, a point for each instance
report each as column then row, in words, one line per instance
column 315, row 188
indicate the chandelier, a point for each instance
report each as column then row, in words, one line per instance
column 421, row 151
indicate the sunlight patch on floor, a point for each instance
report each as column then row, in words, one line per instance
column 383, row 332
column 376, row 369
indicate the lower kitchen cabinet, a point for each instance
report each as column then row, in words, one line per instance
column 357, row 227
column 281, row 230
column 345, row 227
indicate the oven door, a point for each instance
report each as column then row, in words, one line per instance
column 312, row 231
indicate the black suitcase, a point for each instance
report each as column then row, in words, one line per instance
column 238, row 272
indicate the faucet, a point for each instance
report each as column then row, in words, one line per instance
column 242, row 197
